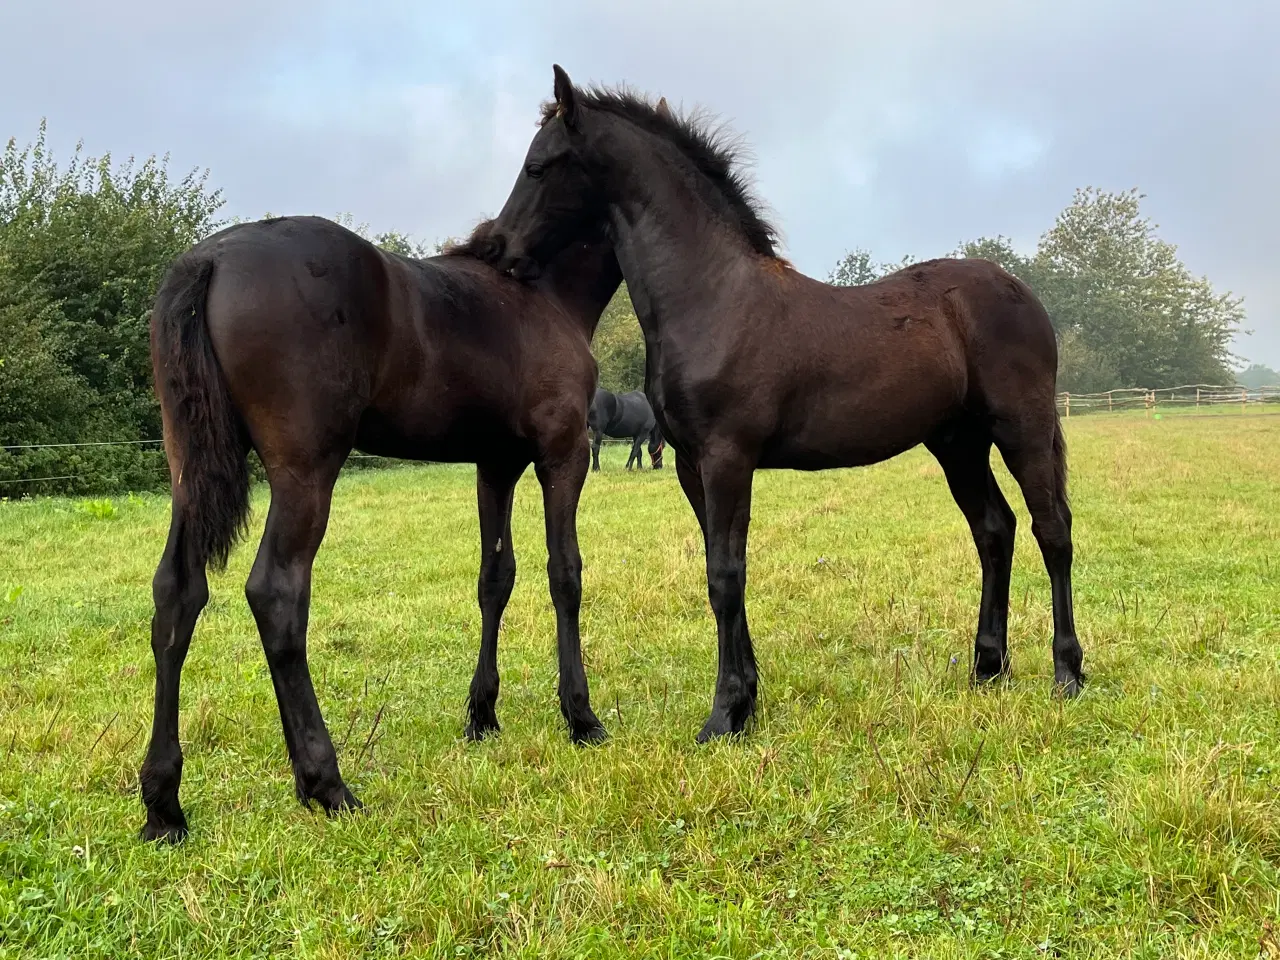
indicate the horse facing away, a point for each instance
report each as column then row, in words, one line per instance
column 624, row 416
column 750, row 364
column 298, row 339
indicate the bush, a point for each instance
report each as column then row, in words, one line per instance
column 82, row 251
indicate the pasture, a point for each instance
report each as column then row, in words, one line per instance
column 880, row 806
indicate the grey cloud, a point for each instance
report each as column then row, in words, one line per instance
column 905, row 127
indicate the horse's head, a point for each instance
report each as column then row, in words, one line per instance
column 557, row 196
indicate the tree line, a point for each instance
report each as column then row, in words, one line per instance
column 84, row 245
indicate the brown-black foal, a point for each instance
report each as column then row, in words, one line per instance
column 298, row 339
column 752, row 365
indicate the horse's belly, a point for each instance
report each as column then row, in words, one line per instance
column 796, row 454
column 441, row 435
column 854, row 431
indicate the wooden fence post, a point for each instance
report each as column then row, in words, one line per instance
column 1197, row 398
column 1244, row 399
column 1067, row 402
column 1108, row 401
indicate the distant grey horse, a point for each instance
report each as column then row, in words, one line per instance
column 624, row 416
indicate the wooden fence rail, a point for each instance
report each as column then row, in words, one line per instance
column 1204, row 395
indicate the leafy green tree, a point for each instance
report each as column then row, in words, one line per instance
column 1124, row 292
column 1258, row 375
column 857, row 267
column 394, row 241
column 618, row 345
column 41, row 400
column 83, row 247
column 1126, row 310
column 86, row 246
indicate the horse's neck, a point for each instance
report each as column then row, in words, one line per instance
column 675, row 273
column 676, row 252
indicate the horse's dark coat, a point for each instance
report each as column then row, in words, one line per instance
column 750, row 364
column 298, row 339
column 624, row 416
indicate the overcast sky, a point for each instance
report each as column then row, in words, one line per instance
column 903, row 126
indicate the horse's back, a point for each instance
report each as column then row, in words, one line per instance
column 964, row 322
column 320, row 333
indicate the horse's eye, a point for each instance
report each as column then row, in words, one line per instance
column 534, row 170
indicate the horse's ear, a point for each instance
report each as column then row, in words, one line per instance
column 566, row 96
column 663, row 110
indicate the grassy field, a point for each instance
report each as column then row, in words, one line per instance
column 880, row 807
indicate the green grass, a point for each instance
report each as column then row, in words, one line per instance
column 880, row 807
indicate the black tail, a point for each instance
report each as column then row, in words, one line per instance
column 205, row 433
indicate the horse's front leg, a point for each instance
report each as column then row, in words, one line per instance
column 495, row 491
column 561, row 472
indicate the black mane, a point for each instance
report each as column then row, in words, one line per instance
column 715, row 154
column 473, row 246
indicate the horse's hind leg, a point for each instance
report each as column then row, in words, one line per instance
column 965, row 457
column 1035, row 453
column 726, row 483
column 495, row 490
column 637, row 447
column 279, row 593
column 691, row 483
column 181, row 591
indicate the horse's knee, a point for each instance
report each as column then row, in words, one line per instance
column 497, row 578
column 166, row 587
column 1052, row 529
column 171, row 586
column 726, row 581
column 564, row 576
column 261, row 593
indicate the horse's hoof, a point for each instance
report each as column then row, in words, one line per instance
column 477, row 731
column 1069, row 687
column 589, row 735
column 347, row 803
column 984, row 678
column 166, row 833
column 333, row 799
column 720, row 725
